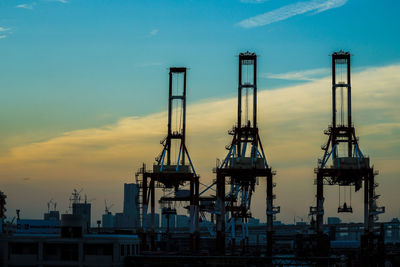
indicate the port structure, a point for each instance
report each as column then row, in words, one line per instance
column 173, row 169
column 242, row 166
column 2, row 211
column 350, row 168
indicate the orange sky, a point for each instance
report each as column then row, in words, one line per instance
column 291, row 122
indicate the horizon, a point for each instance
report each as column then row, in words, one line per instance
column 84, row 90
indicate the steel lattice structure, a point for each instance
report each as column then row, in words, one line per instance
column 244, row 163
column 171, row 176
column 349, row 166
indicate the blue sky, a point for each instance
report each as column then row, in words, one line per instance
column 100, row 60
column 68, row 65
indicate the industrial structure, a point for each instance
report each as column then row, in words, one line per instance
column 2, row 210
column 232, row 237
column 171, row 174
column 350, row 168
column 52, row 213
column 244, row 163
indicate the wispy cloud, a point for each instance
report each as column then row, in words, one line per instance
column 153, row 32
column 3, row 32
column 253, row 1
column 60, row 1
column 305, row 75
column 291, row 124
column 289, row 11
column 25, row 6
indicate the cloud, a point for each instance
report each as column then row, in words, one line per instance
column 3, row 32
column 25, row 6
column 254, row 1
column 59, row 1
column 306, row 75
column 291, row 121
column 153, row 32
column 289, row 11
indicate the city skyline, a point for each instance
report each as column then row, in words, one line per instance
column 89, row 109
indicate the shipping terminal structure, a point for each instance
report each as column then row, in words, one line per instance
column 220, row 229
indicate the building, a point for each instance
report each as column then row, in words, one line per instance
column 254, row 221
column 54, row 250
column 131, row 205
column 73, row 246
column 129, row 218
column 108, row 220
column 38, row 226
column 52, row 215
column 164, row 221
column 182, row 221
column 120, row 220
column 334, row 220
column 156, row 220
column 84, row 210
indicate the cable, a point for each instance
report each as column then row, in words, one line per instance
column 176, row 114
column 341, row 106
column 247, row 105
column 350, row 195
column 181, row 117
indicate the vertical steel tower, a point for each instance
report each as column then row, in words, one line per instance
column 169, row 173
column 2, row 211
column 244, row 163
column 349, row 166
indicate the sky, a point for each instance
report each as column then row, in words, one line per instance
column 83, row 88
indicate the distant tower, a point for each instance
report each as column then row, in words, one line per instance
column 52, row 212
column 81, row 209
column 349, row 166
column 2, row 210
column 244, row 163
column 131, row 205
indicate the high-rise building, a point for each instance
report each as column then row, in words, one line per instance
column 131, row 205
